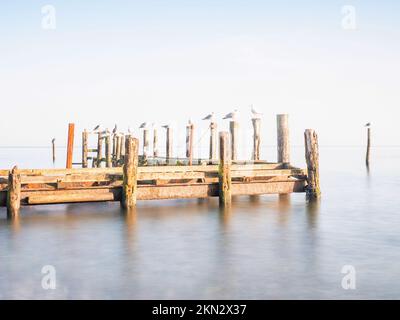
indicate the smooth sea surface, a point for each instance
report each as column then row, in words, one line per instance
column 270, row 247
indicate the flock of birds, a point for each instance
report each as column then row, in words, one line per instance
column 210, row 117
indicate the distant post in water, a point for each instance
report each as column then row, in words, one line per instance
column 13, row 193
column 146, row 143
column 99, row 149
column 234, row 130
column 189, row 142
column 213, row 141
column 283, row 139
column 368, row 145
column 155, row 143
column 131, row 160
column 256, row 138
column 312, row 158
column 108, row 150
column 70, row 145
column 85, row 136
column 169, row 145
column 53, row 146
column 224, row 170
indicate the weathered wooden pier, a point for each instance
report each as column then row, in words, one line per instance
column 128, row 176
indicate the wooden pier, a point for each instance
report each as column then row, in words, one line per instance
column 127, row 180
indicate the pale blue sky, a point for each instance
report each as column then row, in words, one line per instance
column 166, row 61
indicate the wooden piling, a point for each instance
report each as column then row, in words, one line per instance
column 13, row 193
column 189, row 143
column 99, row 149
column 155, row 143
column 85, row 136
column 53, row 145
column 234, row 129
column 108, row 150
column 169, row 145
column 146, row 143
column 213, row 141
column 256, row 138
column 129, row 192
column 224, row 170
column 118, row 149
column 70, row 145
column 283, row 139
column 312, row 158
column 114, row 150
column 368, row 146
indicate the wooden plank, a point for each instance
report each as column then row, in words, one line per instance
column 70, row 145
column 254, row 188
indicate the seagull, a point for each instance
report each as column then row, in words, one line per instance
column 368, row 124
column 53, row 140
column 231, row 115
column 115, row 129
column 96, row 127
column 143, row 125
column 255, row 113
column 129, row 130
column 209, row 117
column 166, row 126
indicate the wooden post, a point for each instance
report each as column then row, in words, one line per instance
column 114, row 150
column 224, row 171
column 122, row 156
column 155, row 142
column 213, row 141
column 146, row 143
column 256, row 138
column 234, row 127
column 118, row 149
column 169, row 145
column 14, row 193
column 312, row 159
column 99, row 149
column 368, row 146
column 129, row 190
column 108, row 150
column 53, row 145
column 189, row 142
column 283, row 139
column 70, row 145
column 85, row 136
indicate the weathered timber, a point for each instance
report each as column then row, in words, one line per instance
column 312, row 158
column 146, row 143
column 224, row 171
column 14, row 193
column 70, row 145
column 256, row 138
column 99, row 149
column 108, row 150
column 283, row 138
column 213, row 141
column 53, row 145
column 367, row 156
column 155, row 143
column 189, row 142
column 169, row 145
column 85, row 136
column 234, row 136
column 129, row 192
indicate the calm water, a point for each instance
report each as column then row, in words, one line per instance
column 270, row 247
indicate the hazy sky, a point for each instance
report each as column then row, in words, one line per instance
column 167, row 61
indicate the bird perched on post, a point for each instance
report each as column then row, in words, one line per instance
column 231, row 115
column 166, row 126
column 96, row 128
column 368, row 124
column 209, row 117
column 256, row 114
column 115, row 130
column 143, row 125
column 53, row 140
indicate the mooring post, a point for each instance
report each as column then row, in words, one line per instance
column 70, row 145
column 169, row 145
column 283, row 139
column 131, row 160
column 123, row 140
column 256, row 138
column 213, row 141
column 85, row 149
column 234, row 127
column 312, row 158
column 368, row 146
column 108, row 149
column 146, row 143
column 118, row 149
column 53, row 145
column 155, row 143
column 13, row 193
column 114, row 150
column 99, row 149
column 224, row 170
column 189, row 142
